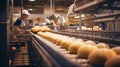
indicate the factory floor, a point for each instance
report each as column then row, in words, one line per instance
column 21, row 57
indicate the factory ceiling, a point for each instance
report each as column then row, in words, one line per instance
column 38, row 5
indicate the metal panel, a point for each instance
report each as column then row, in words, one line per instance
column 4, row 33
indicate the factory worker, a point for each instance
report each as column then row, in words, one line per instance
column 38, row 22
column 21, row 21
column 70, row 11
column 30, row 22
column 45, row 21
column 60, row 20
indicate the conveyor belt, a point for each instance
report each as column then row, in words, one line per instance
column 53, row 54
column 41, row 53
column 103, row 36
column 109, row 34
column 61, row 56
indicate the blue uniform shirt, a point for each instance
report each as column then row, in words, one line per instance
column 18, row 22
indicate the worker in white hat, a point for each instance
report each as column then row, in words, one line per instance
column 21, row 21
column 25, row 12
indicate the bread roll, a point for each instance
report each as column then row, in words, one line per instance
column 89, row 29
column 102, row 45
column 117, row 50
column 113, row 62
column 100, row 29
column 73, row 47
column 100, row 56
column 89, row 42
column 65, row 43
column 40, row 33
column 37, row 27
column 72, row 40
column 80, row 40
column 84, row 51
column 82, row 28
column 34, row 30
column 13, row 48
column 54, row 39
column 47, row 29
column 60, row 39
column 97, row 28
column 44, row 29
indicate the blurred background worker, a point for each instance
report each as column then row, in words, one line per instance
column 30, row 22
column 21, row 21
column 38, row 22
column 60, row 20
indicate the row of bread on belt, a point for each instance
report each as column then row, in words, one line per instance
column 96, row 53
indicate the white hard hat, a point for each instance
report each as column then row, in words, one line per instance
column 25, row 12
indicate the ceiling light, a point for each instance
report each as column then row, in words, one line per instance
column 30, row 9
column 31, row 0
column 77, row 17
column 83, row 15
